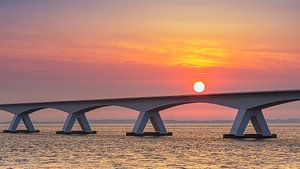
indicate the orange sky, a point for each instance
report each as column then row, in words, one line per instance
column 52, row 50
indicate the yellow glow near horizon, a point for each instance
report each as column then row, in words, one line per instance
column 173, row 52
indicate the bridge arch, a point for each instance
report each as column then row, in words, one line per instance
column 89, row 109
column 35, row 110
column 266, row 104
column 197, row 109
column 110, row 112
column 250, row 109
column 39, row 112
column 280, row 111
column 153, row 115
column 82, row 115
column 169, row 106
column 277, row 103
column 32, row 113
column 5, row 111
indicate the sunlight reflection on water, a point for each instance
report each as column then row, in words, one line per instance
column 192, row 146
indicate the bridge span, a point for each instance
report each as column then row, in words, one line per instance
column 248, row 104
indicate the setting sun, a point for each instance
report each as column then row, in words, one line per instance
column 199, row 87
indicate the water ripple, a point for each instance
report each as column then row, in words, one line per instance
column 196, row 146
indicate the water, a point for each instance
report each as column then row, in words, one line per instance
column 192, row 146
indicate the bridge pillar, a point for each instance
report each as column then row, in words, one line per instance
column 16, row 121
column 258, row 121
column 70, row 121
column 157, row 123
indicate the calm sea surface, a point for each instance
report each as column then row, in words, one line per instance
column 192, row 146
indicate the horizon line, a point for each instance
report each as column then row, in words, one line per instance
column 273, row 120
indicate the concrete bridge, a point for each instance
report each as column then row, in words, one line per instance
column 248, row 104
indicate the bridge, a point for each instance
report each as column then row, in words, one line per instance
column 249, row 107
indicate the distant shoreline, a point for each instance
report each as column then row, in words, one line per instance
column 130, row 121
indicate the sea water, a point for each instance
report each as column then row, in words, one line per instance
column 191, row 146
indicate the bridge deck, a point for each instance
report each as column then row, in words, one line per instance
column 248, row 104
column 164, row 97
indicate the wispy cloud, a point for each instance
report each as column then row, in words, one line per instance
column 190, row 52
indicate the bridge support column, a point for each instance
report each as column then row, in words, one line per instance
column 16, row 121
column 258, row 121
column 157, row 123
column 70, row 121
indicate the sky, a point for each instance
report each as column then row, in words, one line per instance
column 76, row 49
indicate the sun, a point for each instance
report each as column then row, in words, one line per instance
column 199, row 87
